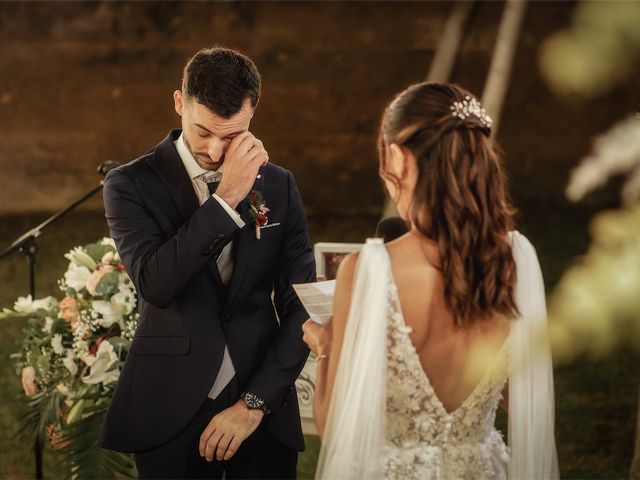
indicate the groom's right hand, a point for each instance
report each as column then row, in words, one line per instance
column 227, row 430
column 245, row 155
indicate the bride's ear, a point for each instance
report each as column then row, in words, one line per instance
column 398, row 161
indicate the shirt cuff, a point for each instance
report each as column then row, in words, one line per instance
column 232, row 213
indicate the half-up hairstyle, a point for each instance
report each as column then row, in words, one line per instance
column 460, row 199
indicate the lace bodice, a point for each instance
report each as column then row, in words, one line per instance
column 423, row 439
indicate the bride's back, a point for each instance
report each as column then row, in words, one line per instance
column 454, row 358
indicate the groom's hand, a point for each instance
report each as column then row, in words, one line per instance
column 227, row 430
column 245, row 155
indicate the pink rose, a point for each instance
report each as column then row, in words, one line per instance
column 53, row 432
column 29, row 381
column 69, row 309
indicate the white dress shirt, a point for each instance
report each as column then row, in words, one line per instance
column 225, row 260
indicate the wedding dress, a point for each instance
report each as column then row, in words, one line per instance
column 423, row 439
column 385, row 420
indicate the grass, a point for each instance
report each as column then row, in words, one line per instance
column 596, row 399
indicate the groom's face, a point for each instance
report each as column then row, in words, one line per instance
column 207, row 135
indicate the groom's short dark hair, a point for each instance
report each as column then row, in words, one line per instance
column 221, row 79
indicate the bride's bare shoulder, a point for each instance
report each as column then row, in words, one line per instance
column 347, row 267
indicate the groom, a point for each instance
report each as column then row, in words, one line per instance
column 208, row 229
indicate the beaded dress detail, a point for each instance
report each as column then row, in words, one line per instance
column 424, row 441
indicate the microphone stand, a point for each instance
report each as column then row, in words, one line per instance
column 26, row 244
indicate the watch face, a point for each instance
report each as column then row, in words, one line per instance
column 253, row 401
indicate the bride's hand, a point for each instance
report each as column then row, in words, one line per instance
column 317, row 337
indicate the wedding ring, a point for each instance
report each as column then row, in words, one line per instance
column 320, row 357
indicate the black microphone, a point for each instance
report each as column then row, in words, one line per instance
column 391, row 228
column 106, row 167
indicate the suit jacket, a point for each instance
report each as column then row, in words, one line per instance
column 169, row 244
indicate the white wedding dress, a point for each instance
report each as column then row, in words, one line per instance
column 423, row 439
column 385, row 420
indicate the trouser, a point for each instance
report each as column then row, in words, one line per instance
column 259, row 457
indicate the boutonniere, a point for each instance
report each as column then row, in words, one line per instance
column 258, row 210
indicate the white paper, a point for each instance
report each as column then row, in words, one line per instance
column 317, row 299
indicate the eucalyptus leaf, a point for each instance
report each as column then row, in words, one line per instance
column 108, row 284
column 97, row 251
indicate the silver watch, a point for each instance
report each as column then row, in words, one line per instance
column 254, row 402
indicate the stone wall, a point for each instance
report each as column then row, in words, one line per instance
column 85, row 82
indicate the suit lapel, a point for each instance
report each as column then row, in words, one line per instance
column 166, row 162
column 168, row 165
column 244, row 242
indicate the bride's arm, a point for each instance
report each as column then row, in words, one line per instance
column 328, row 366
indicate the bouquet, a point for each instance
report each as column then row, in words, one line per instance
column 71, row 356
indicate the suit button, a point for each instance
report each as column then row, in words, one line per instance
column 227, row 317
column 207, row 251
column 221, row 237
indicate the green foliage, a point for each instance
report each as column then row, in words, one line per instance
column 82, row 455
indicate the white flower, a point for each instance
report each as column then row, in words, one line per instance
column 27, row 305
column 80, row 347
column 56, row 344
column 70, row 362
column 125, row 299
column 103, row 360
column 23, row 304
column 47, row 303
column 109, row 242
column 48, row 323
column 63, row 389
column 81, row 258
column 109, row 312
column 86, row 357
column 107, row 258
column 106, row 241
column 76, row 276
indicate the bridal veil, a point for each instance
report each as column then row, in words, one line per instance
column 353, row 446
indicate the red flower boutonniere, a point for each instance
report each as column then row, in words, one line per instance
column 258, row 210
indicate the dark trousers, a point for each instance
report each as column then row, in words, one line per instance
column 259, row 457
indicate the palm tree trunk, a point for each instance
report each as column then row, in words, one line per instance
column 497, row 85
column 444, row 59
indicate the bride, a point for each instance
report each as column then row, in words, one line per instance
column 433, row 331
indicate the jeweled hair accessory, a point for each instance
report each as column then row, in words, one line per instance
column 470, row 106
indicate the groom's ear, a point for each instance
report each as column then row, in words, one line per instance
column 178, row 101
column 398, row 161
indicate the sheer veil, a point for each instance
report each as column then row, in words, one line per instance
column 531, row 398
column 354, row 440
column 355, row 428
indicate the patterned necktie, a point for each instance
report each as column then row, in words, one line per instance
column 213, row 186
column 212, row 179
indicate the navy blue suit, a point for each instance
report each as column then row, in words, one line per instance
column 169, row 244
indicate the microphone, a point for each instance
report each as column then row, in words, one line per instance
column 106, row 167
column 391, row 228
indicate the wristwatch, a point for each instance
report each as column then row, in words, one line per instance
column 254, row 402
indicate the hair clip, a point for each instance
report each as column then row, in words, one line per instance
column 470, row 106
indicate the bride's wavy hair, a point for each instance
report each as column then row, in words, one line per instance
column 460, row 199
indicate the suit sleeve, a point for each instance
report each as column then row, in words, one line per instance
column 286, row 357
column 160, row 267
